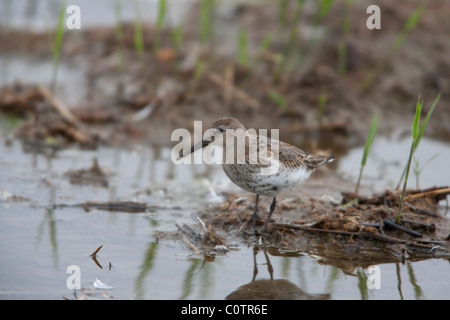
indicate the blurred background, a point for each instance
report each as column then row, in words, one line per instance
column 102, row 101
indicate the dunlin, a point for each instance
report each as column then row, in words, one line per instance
column 292, row 165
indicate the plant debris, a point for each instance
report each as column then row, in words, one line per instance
column 115, row 206
column 93, row 254
column 207, row 242
column 366, row 222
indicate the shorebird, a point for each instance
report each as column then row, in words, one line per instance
column 268, row 167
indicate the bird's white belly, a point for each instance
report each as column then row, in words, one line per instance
column 259, row 182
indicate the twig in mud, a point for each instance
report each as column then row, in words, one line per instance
column 438, row 194
column 391, row 224
column 417, row 224
column 62, row 110
column 96, row 251
column 429, row 227
column 187, row 241
column 424, row 242
column 203, row 225
column 70, row 132
column 421, row 211
column 227, row 86
column 210, row 235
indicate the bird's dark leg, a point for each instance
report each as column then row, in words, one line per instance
column 272, row 208
column 255, row 213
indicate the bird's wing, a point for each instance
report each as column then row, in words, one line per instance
column 291, row 156
column 295, row 157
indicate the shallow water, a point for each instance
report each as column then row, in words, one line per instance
column 388, row 157
column 38, row 241
column 43, row 15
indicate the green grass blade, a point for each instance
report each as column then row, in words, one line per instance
column 57, row 44
column 199, row 69
column 242, row 48
column 415, row 124
column 419, row 132
column 265, row 42
column 324, row 8
column 178, row 37
column 422, row 128
column 205, row 19
column 414, row 18
column 405, row 183
column 283, row 12
column 138, row 39
column 410, row 24
column 138, row 34
column 118, row 16
column 374, row 125
column 417, row 135
column 162, row 9
column 279, row 100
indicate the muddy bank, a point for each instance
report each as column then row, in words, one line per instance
column 322, row 219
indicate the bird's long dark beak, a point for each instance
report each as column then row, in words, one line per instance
column 194, row 148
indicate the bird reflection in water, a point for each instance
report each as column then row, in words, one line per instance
column 271, row 289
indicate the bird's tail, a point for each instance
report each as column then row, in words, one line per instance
column 330, row 158
column 325, row 159
column 313, row 162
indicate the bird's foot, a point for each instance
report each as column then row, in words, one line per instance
column 264, row 230
column 249, row 227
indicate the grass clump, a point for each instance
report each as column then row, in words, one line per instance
column 417, row 131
